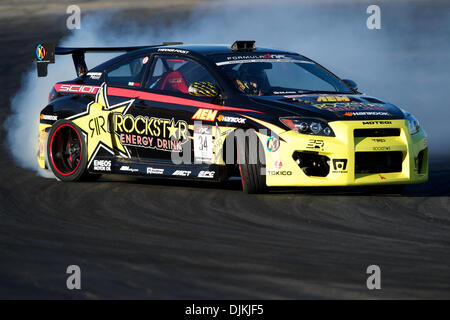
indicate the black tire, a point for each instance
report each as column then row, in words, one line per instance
column 251, row 167
column 67, row 152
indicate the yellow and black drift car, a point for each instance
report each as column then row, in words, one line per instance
column 215, row 112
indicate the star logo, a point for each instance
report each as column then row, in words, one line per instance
column 95, row 124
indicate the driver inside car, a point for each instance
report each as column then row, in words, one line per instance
column 251, row 78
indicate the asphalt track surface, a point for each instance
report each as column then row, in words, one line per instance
column 138, row 238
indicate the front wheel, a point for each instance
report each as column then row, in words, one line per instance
column 251, row 164
column 66, row 152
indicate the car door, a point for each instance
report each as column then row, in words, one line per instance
column 168, row 109
column 124, row 81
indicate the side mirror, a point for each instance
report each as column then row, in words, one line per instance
column 352, row 84
column 203, row 89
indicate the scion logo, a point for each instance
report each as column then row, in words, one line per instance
column 75, row 88
column 339, row 165
column 273, row 144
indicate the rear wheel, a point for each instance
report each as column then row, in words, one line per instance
column 251, row 164
column 66, row 152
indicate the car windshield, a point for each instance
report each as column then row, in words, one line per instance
column 271, row 74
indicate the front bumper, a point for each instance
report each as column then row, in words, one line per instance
column 353, row 158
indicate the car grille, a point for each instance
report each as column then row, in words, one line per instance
column 378, row 162
column 388, row 132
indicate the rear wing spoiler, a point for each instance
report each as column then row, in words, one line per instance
column 45, row 54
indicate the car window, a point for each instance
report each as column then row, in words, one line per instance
column 129, row 73
column 176, row 74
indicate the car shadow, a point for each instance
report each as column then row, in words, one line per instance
column 438, row 185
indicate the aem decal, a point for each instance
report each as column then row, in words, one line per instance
column 333, row 99
column 205, row 115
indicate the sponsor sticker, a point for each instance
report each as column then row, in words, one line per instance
column 75, row 88
column 173, row 50
column 315, row 144
column 102, row 165
column 205, row 115
column 49, row 117
column 366, row 113
column 279, row 173
column 182, row 173
column 278, row 164
column 128, row 168
column 151, row 170
column 333, row 99
column 206, row 174
column 145, row 132
column 94, row 75
column 340, row 166
column 203, row 144
column 273, row 144
column 222, row 118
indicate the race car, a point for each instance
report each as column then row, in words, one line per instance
column 272, row 118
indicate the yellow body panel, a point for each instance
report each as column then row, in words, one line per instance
column 344, row 146
column 42, row 144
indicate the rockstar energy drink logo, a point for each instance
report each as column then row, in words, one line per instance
column 97, row 126
column 156, row 133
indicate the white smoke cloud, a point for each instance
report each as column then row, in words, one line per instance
column 406, row 62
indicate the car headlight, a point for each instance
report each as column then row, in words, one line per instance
column 413, row 123
column 308, row 126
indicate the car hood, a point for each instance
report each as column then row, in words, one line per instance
column 331, row 107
